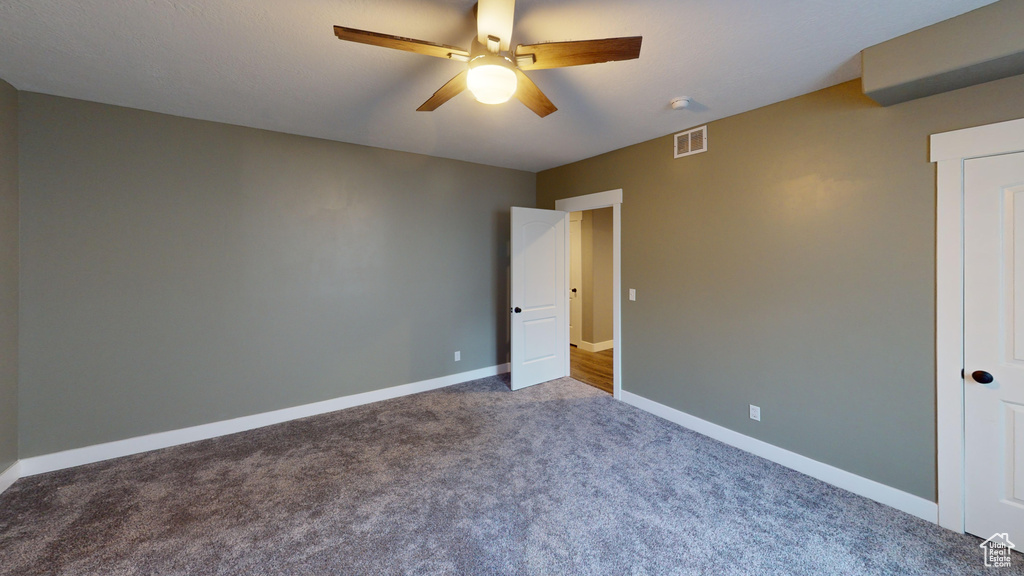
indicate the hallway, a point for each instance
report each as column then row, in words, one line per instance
column 594, row 368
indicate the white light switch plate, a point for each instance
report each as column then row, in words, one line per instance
column 632, row 294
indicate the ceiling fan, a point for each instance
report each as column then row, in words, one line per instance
column 495, row 73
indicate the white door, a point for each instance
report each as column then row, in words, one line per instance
column 540, row 320
column 994, row 346
column 575, row 278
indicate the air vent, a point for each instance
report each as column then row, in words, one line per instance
column 692, row 141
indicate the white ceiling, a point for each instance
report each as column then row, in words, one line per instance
column 275, row 64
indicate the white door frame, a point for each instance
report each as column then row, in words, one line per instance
column 575, row 271
column 950, row 150
column 613, row 199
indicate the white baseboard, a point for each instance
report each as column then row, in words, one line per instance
column 898, row 499
column 118, row 448
column 10, row 476
column 596, row 347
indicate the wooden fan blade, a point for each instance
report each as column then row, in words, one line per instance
column 450, row 90
column 399, row 43
column 528, row 93
column 494, row 18
column 577, row 53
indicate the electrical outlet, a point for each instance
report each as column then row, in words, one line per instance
column 458, row 355
column 632, row 294
column 755, row 412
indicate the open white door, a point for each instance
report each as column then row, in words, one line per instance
column 994, row 346
column 540, row 320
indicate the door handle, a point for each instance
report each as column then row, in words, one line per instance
column 517, row 310
column 982, row 377
column 573, row 290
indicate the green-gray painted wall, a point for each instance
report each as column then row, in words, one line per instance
column 177, row 272
column 792, row 266
column 8, row 275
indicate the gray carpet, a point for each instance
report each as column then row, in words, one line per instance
column 472, row 479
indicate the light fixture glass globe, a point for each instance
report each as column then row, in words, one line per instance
column 491, row 79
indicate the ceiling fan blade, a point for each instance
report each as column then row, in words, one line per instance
column 494, row 18
column 399, row 43
column 532, row 97
column 577, row 53
column 450, row 90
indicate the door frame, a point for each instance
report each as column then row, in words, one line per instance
column 575, row 266
column 949, row 150
column 613, row 199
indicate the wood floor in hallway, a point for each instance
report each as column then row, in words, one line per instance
column 594, row 368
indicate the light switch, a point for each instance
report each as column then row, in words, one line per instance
column 632, row 294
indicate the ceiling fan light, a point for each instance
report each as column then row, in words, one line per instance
column 491, row 79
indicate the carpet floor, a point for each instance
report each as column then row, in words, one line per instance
column 472, row 479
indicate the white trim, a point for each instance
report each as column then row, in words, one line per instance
column 567, row 283
column 596, row 346
column 949, row 345
column 594, row 201
column 950, row 150
column 10, row 476
column 979, row 141
column 617, row 298
column 589, row 201
column 898, row 499
column 116, row 449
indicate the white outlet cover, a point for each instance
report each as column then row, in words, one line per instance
column 458, row 355
column 755, row 412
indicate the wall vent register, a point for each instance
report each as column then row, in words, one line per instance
column 693, row 141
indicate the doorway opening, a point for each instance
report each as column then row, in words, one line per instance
column 591, row 317
column 609, row 199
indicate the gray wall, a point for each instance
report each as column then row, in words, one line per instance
column 177, row 272
column 8, row 275
column 792, row 266
column 596, row 244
